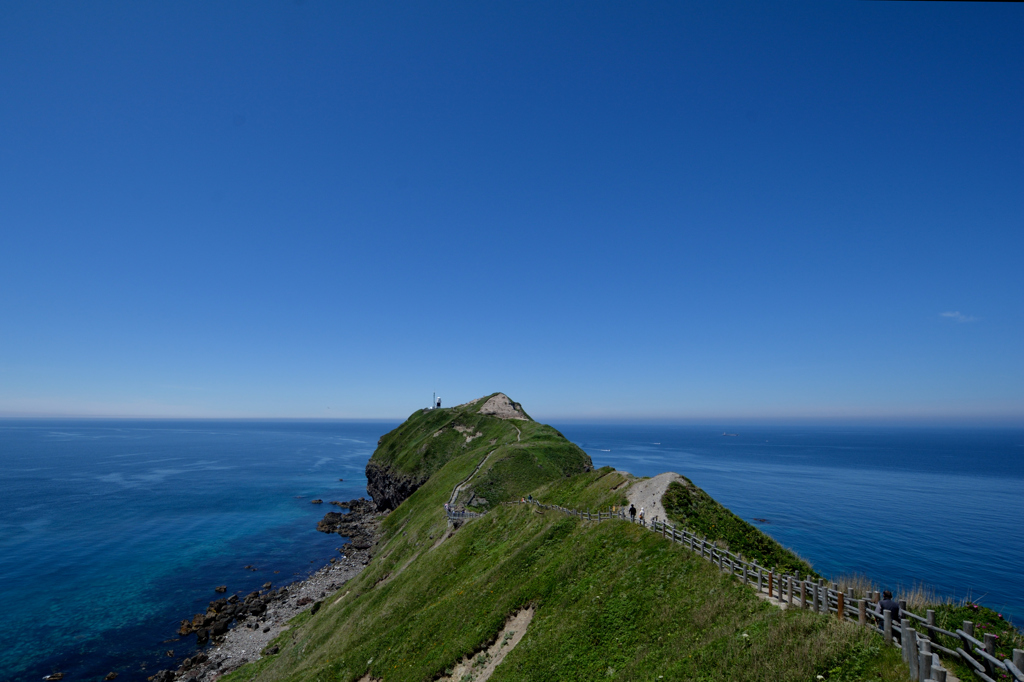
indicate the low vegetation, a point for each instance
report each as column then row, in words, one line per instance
column 613, row 601
column 596, row 490
column 951, row 616
column 689, row 506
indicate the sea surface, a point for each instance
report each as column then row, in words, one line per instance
column 112, row 532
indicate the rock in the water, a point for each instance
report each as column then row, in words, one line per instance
column 267, row 585
column 329, row 522
column 316, row 501
column 220, row 589
column 55, row 676
column 111, row 676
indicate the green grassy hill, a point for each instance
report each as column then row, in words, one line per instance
column 515, row 455
column 612, row 601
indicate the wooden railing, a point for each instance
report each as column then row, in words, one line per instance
column 921, row 650
column 455, row 515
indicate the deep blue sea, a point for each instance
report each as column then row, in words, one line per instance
column 111, row 532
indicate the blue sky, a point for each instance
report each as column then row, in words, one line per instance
column 606, row 210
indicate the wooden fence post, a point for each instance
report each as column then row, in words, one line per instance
column 771, row 577
column 862, row 613
column 990, row 644
column 969, row 627
column 840, row 606
column 1018, row 658
column 803, row 594
column 924, row 666
column 887, row 626
column 759, row 580
column 909, row 643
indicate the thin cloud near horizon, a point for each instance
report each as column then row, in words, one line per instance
column 957, row 316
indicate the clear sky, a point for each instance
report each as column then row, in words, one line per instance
column 632, row 210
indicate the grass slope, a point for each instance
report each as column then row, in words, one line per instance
column 520, row 454
column 690, row 506
column 614, row 601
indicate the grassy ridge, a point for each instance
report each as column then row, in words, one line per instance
column 614, row 601
column 520, row 454
column 692, row 507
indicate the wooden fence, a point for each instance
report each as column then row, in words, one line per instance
column 458, row 515
column 921, row 648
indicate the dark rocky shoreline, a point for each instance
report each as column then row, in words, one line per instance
column 235, row 630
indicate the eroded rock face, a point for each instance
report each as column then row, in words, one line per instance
column 387, row 488
column 502, row 407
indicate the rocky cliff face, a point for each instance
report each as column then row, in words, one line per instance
column 387, row 488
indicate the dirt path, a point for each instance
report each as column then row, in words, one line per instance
column 647, row 494
column 461, row 486
column 480, row 666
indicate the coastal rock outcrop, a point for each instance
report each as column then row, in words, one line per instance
column 359, row 524
column 389, row 488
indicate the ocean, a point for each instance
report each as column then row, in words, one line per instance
column 113, row 531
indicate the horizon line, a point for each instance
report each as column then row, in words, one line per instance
column 952, row 419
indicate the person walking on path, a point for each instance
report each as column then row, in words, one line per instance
column 439, row 402
column 888, row 604
column 641, row 516
column 632, row 513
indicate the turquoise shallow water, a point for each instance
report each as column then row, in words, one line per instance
column 111, row 532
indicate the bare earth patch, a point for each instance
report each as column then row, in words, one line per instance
column 480, row 667
column 468, row 432
column 502, row 407
column 648, row 494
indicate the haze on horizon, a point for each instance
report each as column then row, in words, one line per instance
column 672, row 211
